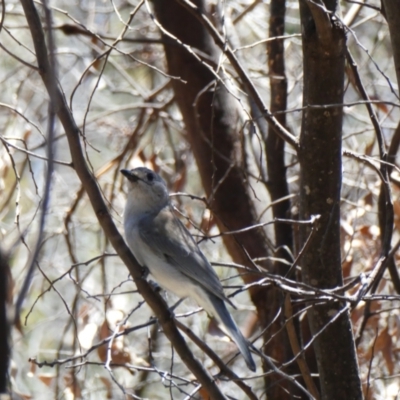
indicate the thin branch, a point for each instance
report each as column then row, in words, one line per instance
column 3, row 14
column 336, row 105
column 18, row 58
column 363, row 4
column 296, row 349
column 32, row 262
column 70, row 29
column 30, row 153
column 311, row 221
column 385, row 203
column 249, row 8
column 268, row 40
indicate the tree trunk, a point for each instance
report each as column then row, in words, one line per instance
column 321, row 167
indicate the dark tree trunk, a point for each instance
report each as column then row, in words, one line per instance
column 277, row 183
column 320, row 156
column 279, row 347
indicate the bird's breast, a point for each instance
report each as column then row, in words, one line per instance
column 164, row 273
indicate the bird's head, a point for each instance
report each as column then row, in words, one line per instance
column 147, row 191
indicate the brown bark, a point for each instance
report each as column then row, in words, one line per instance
column 277, row 183
column 320, row 160
column 279, row 346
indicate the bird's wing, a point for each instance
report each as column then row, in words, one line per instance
column 169, row 238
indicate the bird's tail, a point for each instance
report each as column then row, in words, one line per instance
column 224, row 317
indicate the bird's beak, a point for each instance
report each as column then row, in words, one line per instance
column 130, row 175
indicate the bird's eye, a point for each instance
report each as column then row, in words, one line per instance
column 150, row 176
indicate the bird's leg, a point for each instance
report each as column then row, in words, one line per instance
column 145, row 274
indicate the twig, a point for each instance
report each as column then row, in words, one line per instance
column 294, row 343
column 30, row 153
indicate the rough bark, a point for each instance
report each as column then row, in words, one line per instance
column 320, row 161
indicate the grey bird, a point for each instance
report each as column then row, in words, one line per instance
column 161, row 243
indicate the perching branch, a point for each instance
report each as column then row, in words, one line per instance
column 100, row 208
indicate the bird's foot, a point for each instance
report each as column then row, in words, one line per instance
column 154, row 285
column 145, row 272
